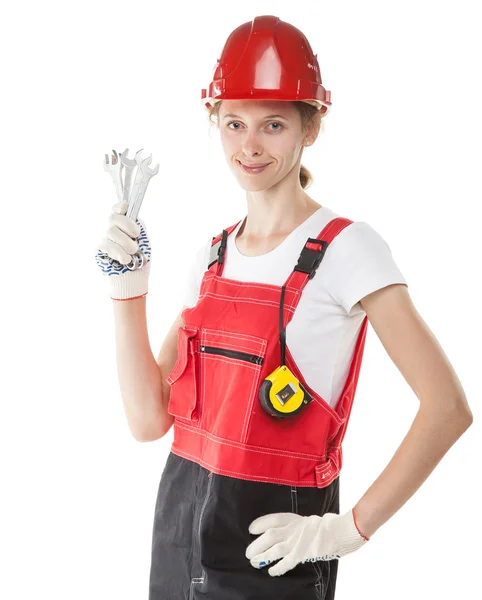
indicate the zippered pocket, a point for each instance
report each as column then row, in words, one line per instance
column 230, row 369
column 252, row 358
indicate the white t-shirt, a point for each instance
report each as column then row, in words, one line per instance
column 323, row 331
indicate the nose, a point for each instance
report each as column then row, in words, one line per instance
column 251, row 145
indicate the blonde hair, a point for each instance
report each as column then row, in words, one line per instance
column 310, row 116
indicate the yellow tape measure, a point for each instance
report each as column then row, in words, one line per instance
column 282, row 395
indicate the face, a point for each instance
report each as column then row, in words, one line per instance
column 255, row 136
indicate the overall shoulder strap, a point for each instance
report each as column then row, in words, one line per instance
column 218, row 248
column 309, row 260
column 312, row 253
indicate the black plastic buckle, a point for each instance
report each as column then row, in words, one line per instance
column 222, row 246
column 216, row 253
column 310, row 259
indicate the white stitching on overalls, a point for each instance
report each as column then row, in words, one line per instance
column 253, row 284
column 246, row 301
column 233, row 334
column 251, row 448
column 195, row 580
column 251, row 399
column 316, row 567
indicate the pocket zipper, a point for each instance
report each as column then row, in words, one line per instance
column 253, row 358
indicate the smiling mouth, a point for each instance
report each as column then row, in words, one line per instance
column 255, row 166
column 253, row 170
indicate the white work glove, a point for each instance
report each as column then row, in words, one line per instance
column 297, row 539
column 123, row 239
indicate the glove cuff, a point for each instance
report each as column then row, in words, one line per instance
column 128, row 286
column 348, row 534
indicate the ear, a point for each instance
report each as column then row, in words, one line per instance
column 313, row 131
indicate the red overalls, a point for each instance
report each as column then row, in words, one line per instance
column 230, row 342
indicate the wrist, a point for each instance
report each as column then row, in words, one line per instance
column 130, row 285
column 357, row 525
column 346, row 534
column 367, row 519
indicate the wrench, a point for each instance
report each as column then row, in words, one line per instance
column 115, row 166
column 143, row 177
column 130, row 165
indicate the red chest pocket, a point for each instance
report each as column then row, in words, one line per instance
column 230, row 369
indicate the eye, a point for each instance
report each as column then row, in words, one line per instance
column 272, row 123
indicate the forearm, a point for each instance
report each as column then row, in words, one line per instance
column 139, row 374
column 428, row 439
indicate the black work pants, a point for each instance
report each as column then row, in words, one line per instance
column 200, row 536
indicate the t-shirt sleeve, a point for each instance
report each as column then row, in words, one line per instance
column 361, row 262
column 199, row 264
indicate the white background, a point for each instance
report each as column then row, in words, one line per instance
column 400, row 150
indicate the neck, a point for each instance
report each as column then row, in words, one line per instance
column 273, row 219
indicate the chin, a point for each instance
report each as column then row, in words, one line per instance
column 253, row 187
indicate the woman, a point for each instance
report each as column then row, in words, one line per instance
column 258, row 373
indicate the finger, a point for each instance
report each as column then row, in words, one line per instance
column 129, row 245
column 120, row 208
column 283, row 566
column 125, row 224
column 266, row 541
column 261, row 524
column 270, row 556
column 114, row 251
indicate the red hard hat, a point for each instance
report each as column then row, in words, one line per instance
column 267, row 59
